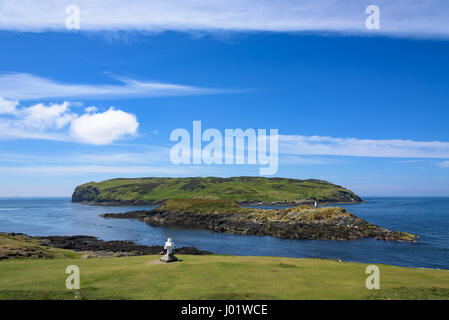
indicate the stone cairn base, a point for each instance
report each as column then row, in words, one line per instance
column 169, row 258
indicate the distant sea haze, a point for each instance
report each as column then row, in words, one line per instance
column 426, row 217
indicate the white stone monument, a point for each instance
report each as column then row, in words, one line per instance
column 169, row 256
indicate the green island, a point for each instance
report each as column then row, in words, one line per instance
column 40, row 274
column 299, row 222
column 244, row 190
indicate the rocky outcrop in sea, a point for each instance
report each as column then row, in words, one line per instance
column 291, row 223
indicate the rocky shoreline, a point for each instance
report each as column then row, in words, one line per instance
column 90, row 246
column 89, row 243
column 304, row 223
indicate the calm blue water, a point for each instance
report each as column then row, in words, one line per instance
column 426, row 217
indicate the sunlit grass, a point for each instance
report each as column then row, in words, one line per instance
column 215, row 277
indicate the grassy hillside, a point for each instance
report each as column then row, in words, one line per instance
column 240, row 189
column 215, row 277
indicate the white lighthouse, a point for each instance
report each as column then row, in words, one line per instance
column 169, row 256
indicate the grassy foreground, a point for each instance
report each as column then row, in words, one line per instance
column 215, row 277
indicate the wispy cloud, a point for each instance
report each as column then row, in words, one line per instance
column 97, row 169
column 304, row 160
column 444, row 164
column 394, row 148
column 23, row 86
column 411, row 161
column 150, row 155
column 426, row 18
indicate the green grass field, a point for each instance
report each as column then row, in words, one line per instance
column 215, row 277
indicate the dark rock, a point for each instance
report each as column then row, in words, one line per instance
column 89, row 243
column 85, row 194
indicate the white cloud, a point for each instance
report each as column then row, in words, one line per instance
column 104, row 128
column 405, row 17
column 38, row 121
column 394, row 148
column 23, row 86
column 8, row 106
column 91, row 109
column 53, row 116
column 50, row 122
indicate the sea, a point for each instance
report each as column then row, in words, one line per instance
column 426, row 217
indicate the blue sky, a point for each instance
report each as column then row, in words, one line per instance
column 366, row 111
